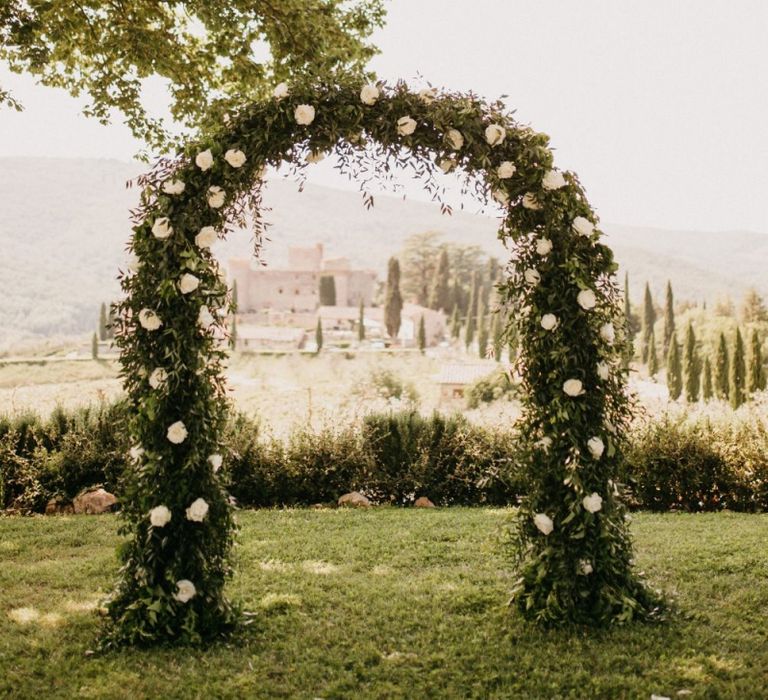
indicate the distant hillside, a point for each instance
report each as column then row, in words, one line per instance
column 64, row 225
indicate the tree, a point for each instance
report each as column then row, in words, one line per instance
column 753, row 307
column 103, row 333
column 209, row 52
column 393, row 300
column 422, row 336
column 756, row 371
column 674, row 370
column 233, row 332
column 492, row 274
column 738, row 372
column 319, row 335
column 469, row 328
column 692, row 366
column 669, row 317
column 440, row 294
column 235, row 300
column 455, row 323
column 327, row 290
column 653, row 360
column 361, row 322
column 722, row 368
column 420, row 255
column 94, row 347
column 497, row 336
column 707, row 388
column 482, row 329
column 649, row 319
column 111, row 319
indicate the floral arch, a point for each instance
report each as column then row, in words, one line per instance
column 572, row 544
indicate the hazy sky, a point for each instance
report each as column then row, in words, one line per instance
column 661, row 106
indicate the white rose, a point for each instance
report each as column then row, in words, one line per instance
column 149, row 320
column 304, row 114
column 544, row 246
column 136, row 452
column 188, row 283
column 216, row 461
column 177, row 433
column 530, row 202
column 204, row 159
column 447, row 165
column 607, row 333
column 596, row 447
column 205, row 318
column 406, row 126
column 455, row 139
column 427, row 95
column 593, row 502
column 369, row 94
column 585, row 567
column 583, row 226
column 549, row 322
column 173, row 187
column 315, row 156
column 573, row 387
column 501, row 197
column 506, row 170
column 158, row 377
column 280, row 91
column 603, row 370
column 586, row 299
column 544, row 523
column 235, row 157
column 162, row 228
column 197, row 511
column 185, row 591
column 495, row 134
column 206, row 238
column 159, row 516
column 216, row 196
column 532, row 276
column 133, row 263
column 553, row 180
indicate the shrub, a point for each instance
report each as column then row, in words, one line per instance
column 495, row 386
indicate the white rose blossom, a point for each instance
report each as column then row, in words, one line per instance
column 185, row 591
column 158, row 378
column 501, row 197
column 532, row 276
column 136, row 452
column 161, row 228
column 607, row 333
column 188, row 283
column 235, row 157
column 133, row 263
column 369, row 94
column 447, row 165
column 585, row 567
column 177, row 433
column 160, row 516
column 206, row 237
column 406, row 126
column 583, row 226
column 197, row 510
column 216, row 460
column 573, row 387
column 549, row 322
column 544, row 523
column 506, row 170
column 495, row 134
column 280, row 91
column 553, row 180
column 216, row 196
column 603, row 370
column 204, row 159
column 304, row 115
column 586, row 299
column 530, row 202
column 205, row 317
column 173, row 187
column 592, row 503
column 149, row 320
column 543, row 247
column 596, row 447
column 455, row 139
column 427, row 95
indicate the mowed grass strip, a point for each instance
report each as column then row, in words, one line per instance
column 390, row 603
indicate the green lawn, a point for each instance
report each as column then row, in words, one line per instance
column 391, row 603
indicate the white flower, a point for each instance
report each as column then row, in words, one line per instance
column 197, row 511
column 173, row 187
column 573, row 387
column 530, row 202
column 133, row 263
column 315, row 156
column 447, row 165
column 149, row 320
column 280, row 91
column 543, row 522
column 585, row 567
column 532, row 276
column 586, row 299
column 406, row 126
column 596, row 447
column 495, row 134
column 603, row 370
column 427, row 95
column 216, row 461
column 304, row 114
column 553, row 180
column 204, row 159
column 185, row 591
column 216, row 196
column 583, row 226
column 607, row 333
column 205, row 318
column 206, row 238
column 455, row 139
column 543, row 444
column 549, row 322
column 177, row 433
column 162, row 228
column 158, row 377
column 593, row 502
column 235, row 157
column 501, row 196
column 506, row 170
column 369, row 94
column 544, row 246
column 136, row 452
column 159, row 516
column 188, row 283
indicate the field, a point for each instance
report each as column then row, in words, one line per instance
column 390, row 603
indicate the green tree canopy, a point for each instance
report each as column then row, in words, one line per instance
column 738, row 372
column 669, row 316
column 756, row 371
column 692, row 366
column 722, row 380
column 649, row 318
column 674, row 370
column 393, row 302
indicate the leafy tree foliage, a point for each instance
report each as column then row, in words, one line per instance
column 692, row 366
column 669, row 317
column 756, row 371
column 649, row 319
column 674, row 370
column 482, row 329
column 653, row 359
column 753, row 307
column 722, row 369
column 393, row 300
column 707, row 387
column 738, row 373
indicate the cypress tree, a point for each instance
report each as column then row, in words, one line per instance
column 94, row 347
column 233, row 332
column 361, row 322
column 327, row 290
column 393, row 300
column 319, row 335
column 469, row 329
column 722, row 367
column 756, row 373
column 111, row 322
column 497, row 336
column 103, row 322
column 674, row 370
column 422, row 337
column 649, row 319
column 440, row 293
column 692, row 366
column 628, row 309
column 706, row 380
column 234, row 297
column 653, row 359
column 669, row 316
column 455, row 323
column 482, row 330
column 738, row 372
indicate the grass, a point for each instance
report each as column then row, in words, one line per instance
column 390, row 603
